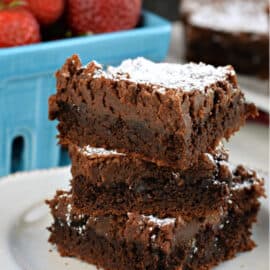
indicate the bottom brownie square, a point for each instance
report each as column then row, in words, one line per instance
column 179, row 242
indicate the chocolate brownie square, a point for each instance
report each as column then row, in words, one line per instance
column 228, row 32
column 165, row 113
column 107, row 182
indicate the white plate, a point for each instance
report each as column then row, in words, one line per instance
column 256, row 91
column 24, row 218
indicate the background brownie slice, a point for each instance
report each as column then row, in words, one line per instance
column 135, row 241
column 106, row 182
column 228, row 32
column 165, row 113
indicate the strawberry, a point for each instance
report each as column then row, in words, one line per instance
column 99, row 16
column 46, row 11
column 18, row 27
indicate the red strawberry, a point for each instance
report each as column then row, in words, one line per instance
column 99, row 16
column 46, row 11
column 18, row 27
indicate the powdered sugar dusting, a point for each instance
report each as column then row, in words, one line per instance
column 81, row 229
column 70, row 217
column 159, row 221
column 247, row 16
column 194, row 248
column 68, row 214
column 244, row 185
column 185, row 77
column 91, row 151
column 210, row 158
column 64, row 195
column 161, row 76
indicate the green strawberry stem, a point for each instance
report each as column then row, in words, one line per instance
column 17, row 3
column 12, row 4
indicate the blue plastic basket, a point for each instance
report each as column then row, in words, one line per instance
column 27, row 138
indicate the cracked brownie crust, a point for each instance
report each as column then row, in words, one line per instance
column 165, row 113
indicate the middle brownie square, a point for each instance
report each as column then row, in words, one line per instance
column 107, row 182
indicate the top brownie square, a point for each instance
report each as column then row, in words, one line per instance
column 165, row 113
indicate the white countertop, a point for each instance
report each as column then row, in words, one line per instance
column 250, row 146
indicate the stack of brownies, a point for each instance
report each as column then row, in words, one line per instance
column 157, row 191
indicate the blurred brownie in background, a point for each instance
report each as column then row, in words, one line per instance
column 167, row 9
column 228, row 32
